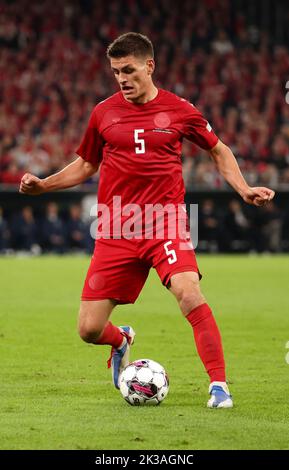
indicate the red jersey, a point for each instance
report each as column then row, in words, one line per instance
column 139, row 147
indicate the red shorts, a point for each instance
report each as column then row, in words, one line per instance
column 120, row 267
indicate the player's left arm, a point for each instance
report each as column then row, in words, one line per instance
column 228, row 167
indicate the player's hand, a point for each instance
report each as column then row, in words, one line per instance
column 31, row 184
column 258, row 196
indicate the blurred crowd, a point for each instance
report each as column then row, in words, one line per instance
column 229, row 58
column 241, row 228
column 52, row 231
column 233, row 227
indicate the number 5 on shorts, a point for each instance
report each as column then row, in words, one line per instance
column 172, row 256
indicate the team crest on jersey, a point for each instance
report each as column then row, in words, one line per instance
column 162, row 120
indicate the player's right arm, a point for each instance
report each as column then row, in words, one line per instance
column 73, row 174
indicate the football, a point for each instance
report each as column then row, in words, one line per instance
column 144, row 382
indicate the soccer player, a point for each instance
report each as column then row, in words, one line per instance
column 135, row 138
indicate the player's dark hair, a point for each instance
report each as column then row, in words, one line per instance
column 130, row 44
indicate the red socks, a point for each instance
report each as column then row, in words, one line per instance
column 208, row 341
column 111, row 335
column 207, row 337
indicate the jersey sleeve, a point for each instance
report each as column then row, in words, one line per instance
column 91, row 146
column 196, row 128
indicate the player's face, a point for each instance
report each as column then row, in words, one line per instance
column 133, row 75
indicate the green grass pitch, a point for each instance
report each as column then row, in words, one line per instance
column 56, row 391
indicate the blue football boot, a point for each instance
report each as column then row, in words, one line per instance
column 220, row 396
column 119, row 358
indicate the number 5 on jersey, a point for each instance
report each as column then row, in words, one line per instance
column 141, row 143
column 171, row 254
